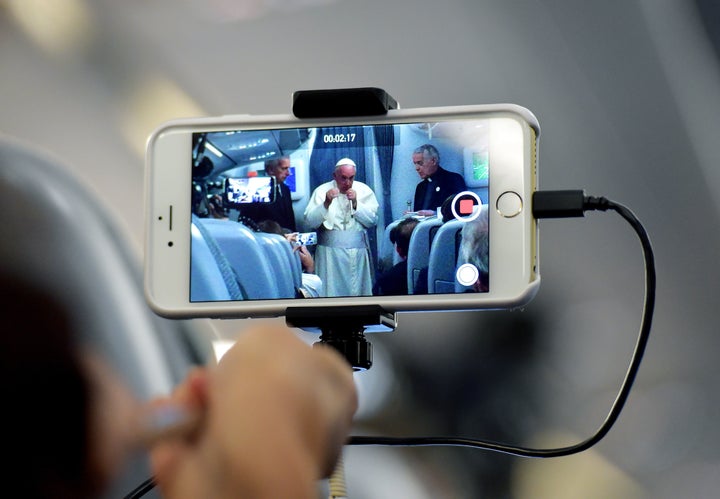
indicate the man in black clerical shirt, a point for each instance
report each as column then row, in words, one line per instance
column 437, row 183
column 281, row 209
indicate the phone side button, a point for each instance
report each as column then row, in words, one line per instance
column 509, row 204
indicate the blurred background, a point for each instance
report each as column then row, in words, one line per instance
column 627, row 93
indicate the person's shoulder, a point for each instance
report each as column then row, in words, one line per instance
column 455, row 177
column 393, row 281
column 396, row 271
column 400, row 268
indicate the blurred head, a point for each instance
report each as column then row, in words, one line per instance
column 426, row 160
column 270, row 226
column 400, row 235
column 446, row 209
column 344, row 174
column 278, row 168
column 202, row 168
column 65, row 413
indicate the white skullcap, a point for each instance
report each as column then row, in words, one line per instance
column 345, row 161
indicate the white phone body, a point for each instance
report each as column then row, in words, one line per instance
column 493, row 146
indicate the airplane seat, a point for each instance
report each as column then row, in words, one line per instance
column 419, row 250
column 59, row 235
column 443, row 257
column 431, row 235
column 212, row 278
column 293, row 260
column 243, row 251
column 282, row 262
column 291, row 257
column 387, row 256
column 295, row 263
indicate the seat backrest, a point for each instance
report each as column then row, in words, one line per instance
column 387, row 256
column 55, row 232
column 283, row 262
column 419, row 250
column 246, row 256
column 443, row 257
column 211, row 275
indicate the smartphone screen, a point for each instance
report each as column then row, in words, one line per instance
column 239, row 191
column 417, row 210
column 306, row 239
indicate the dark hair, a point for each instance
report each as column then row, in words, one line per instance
column 401, row 233
column 203, row 168
column 270, row 226
column 46, row 395
column 446, row 209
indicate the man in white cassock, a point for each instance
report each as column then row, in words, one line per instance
column 341, row 211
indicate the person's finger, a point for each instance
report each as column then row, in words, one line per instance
column 172, row 423
column 337, row 396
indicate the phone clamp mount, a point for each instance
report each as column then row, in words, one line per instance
column 343, row 328
column 342, row 102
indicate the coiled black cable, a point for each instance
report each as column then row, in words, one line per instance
column 546, row 204
column 563, row 204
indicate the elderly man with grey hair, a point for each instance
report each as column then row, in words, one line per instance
column 436, row 183
column 281, row 209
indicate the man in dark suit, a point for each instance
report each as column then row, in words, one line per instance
column 437, row 183
column 281, row 209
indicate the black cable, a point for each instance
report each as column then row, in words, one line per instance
column 141, row 489
column 546, row 204
column 562, row 204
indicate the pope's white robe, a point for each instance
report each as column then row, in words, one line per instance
column 342, row 256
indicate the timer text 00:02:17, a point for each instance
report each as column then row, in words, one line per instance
column 342, row 138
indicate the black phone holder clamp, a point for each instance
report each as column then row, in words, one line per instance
column 344, row 328
column 342, row 102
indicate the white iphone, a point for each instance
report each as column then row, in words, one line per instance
column 418, row 209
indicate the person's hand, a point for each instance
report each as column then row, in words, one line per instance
column 306, row 259
column 276, row 413
column 426, row 213
column 352, row 196
column 330, row 195
column 291, row 237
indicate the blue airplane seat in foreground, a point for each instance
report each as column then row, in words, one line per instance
column 212, row 278
column 387, row 256
column 243, row 250
column 443, row 257
column 419, row 250
column 59, row 235
column 285, row 263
